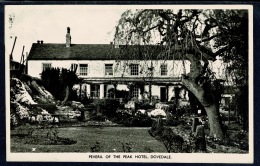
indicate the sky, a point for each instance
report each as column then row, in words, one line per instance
column 88, row 25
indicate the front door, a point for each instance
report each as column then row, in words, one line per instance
column 163, row 94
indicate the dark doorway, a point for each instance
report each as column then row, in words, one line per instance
column 163, row 94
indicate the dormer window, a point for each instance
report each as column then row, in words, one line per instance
column 46, row 66
column 164, row 70
column 134, row 69
column 83, row 69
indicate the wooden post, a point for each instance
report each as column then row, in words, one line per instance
column 167, row 92
column 200, row 141
column 228, row 116
column 80, row 90
column 22, row 59
column 85, row 94
column 26, row 64
column 11, row 55
column 115, row 85
column 195, row 123
column 150, row 91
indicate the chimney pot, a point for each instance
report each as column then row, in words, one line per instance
column 68, row 37
column 41, row 41
column 38, row 41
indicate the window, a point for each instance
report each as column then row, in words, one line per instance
column 83, row 69
column 109, row 69
column 134, row 69
column 135, row 91
column 46, row 66
column 94, row 90
column 163, row 69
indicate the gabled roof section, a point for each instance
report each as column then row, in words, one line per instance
column 51, row 51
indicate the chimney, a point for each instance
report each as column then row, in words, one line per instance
column 41, row 41
column 68, row 37
column 38, row 41
column 116, row 44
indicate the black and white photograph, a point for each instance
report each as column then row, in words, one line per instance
column 129, row 83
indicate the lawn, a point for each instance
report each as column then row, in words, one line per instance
column 111, row 139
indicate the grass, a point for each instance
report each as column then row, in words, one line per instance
column 111, row 139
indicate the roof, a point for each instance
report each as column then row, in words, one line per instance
column 51, row 51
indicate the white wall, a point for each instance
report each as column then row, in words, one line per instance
column 97, row 68
column 175, row 68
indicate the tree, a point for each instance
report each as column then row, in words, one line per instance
column 57, row 81
column 51, row 81
column 198, row 35
column 68, row 78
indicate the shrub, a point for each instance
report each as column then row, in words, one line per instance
column 127, row 147
column 145, row 106
column 171, row 141
column 98, row 117
column 107, row 107
column 96, row 147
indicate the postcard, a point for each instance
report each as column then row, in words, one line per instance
column 129, row 83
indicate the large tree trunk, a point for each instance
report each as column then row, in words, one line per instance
column 210, row 107
column 214, row 121
column 205, row 96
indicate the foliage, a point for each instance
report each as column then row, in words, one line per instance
column 107, row 107
column 68, row 78
column 133, row 119
column 197, row 35
column 51, row 81
column 56, row 81
column 96, row 147
column 127, row 147
column 172, row 120
column 144, row 105
column 141, row 120
column 240, row 103
column 172, row 142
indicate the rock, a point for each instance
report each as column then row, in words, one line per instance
column 162, row 106
column 23, row 94
column 41, row 90
column 20, row 110
column 158, row 112
column 28, row 89
column 24, row 98
column 19, row 92
column 76, row 104
column 142, row 111
column 130, row 105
